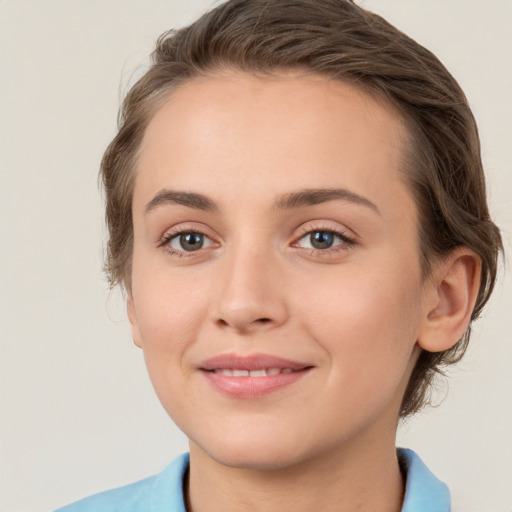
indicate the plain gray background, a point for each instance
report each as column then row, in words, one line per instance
column 77, row 412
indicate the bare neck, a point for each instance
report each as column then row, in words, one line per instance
column 340, row 481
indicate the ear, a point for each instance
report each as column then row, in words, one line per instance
column 132, row 316
column 451, row 295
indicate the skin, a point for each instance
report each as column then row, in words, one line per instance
column 357, row 312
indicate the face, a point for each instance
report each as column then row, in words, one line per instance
column 276, row 287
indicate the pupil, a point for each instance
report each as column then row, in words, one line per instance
column 191, row 241
column 321, row 239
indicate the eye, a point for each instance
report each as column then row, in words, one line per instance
column 188, row 241
column 322, row 240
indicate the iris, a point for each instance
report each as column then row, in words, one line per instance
column 321, row 239
column 191, row 241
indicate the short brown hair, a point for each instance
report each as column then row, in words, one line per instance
column 342, row 41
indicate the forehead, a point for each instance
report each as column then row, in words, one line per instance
column 269, row 134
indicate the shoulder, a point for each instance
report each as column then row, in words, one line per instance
column 424, row 492
column 129, row 498
column 158, row 493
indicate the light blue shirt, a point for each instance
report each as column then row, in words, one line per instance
column 164, row 491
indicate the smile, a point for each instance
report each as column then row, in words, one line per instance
column 268, row 372
column 251, row 376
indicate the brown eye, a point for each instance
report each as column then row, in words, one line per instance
column 189, row 241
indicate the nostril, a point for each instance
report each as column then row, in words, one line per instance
column 221, row 322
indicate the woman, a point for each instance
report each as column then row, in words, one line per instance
column 296, row 208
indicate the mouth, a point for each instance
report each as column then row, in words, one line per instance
column 266, row 372
column 252, row 376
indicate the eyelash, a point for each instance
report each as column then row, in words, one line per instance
column 346, row 241
column 165, row 242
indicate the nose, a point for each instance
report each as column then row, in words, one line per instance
column 250, row 292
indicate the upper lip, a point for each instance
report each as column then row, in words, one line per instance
column 250, row 362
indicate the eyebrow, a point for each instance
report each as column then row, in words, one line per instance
column 309, row 197
column 189, row 199
column 306, row 197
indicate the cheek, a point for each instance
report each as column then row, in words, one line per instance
column 170, row 312
column 169, row 318
column 367, row 323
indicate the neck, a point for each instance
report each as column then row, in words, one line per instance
column 364, row 477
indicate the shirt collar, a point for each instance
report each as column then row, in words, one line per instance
column 167, row 491
column 423, row 491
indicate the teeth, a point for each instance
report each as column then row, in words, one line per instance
column 258, row 373
column 252, row 373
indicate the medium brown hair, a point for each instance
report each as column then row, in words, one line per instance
column 342, row 41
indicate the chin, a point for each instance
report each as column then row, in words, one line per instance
column 256, row 459
column 260, row 453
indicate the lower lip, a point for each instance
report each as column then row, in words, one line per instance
column 252, row 387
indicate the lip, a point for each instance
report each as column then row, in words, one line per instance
column 251, row 386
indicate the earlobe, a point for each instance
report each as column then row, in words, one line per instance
column 132, row 317
column 452, row 293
